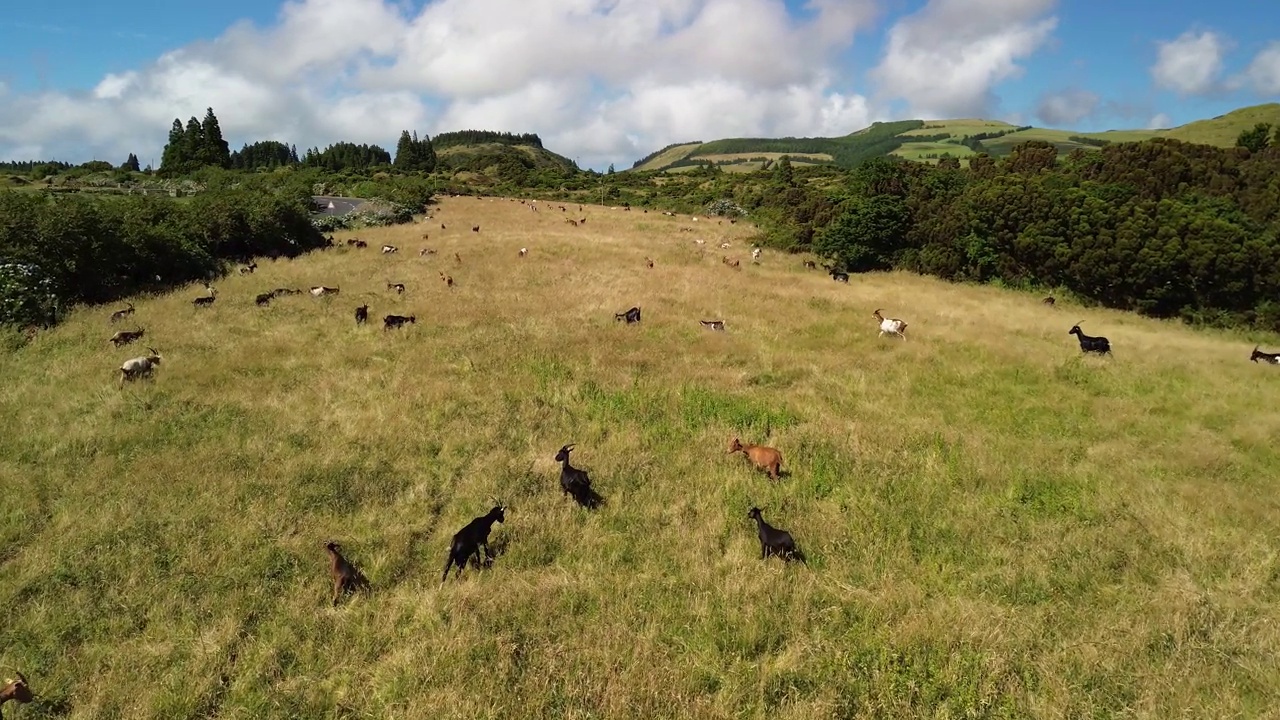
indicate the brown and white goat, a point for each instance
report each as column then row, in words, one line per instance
column 140, row 366
column 893, row 326
column 764, row 458
column 124, row 337
column 16, row 689
column 120, row 314
column 1271, row 358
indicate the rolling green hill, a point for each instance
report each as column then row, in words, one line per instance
column 927, row 140
column 491, row 157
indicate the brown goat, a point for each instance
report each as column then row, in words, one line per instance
column 15, row 689
column 447, row 279
column 765, row 458
column 346, row 578
column 648, row 262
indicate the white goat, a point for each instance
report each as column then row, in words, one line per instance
column 319, row 290
column 139, row 366
column 389, row 249
column 524, row 251
column 724, row 246
column 755, row 254
column 893, row 326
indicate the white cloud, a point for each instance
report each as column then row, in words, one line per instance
column 1159, row 121
column 945, row 59
column 1067, row 107
column 1264, row 72
column 605, row 80
column 1190, row 64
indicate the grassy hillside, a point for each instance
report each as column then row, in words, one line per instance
column 995, row 526
column 482, row 157
column 1224, row 129
column 927, row 140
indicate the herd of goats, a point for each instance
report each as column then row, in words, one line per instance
column 467, row 544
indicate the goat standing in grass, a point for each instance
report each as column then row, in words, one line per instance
column 398, row 287
column 712, row 324
column 16, row 689
column 206, row 300
column 631, row 316
column 763, row 457
column 124, row 337
column 362, row 314
column 139, row 366
column 346, row 578
column 574, row 481
column 263, row 298
column 893, row 326
column 468, row 541
column 773, row 541
column 1089, row 343
column 120, row 314
column 1049, row 301
column 395, row 321
column 1272, row 358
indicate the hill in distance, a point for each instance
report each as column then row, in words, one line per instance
column 927, row 140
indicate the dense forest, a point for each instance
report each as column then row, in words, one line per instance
column 479, row 137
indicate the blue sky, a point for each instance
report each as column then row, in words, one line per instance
column 609, row 80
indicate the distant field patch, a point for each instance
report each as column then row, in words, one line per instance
column 674, row 154
column 959, row 127
column 747, row 157
column 1223, row 130
column 920, row 150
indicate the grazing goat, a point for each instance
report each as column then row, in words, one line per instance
column 764, row 458
column 574, row 481
column 631, row 316
column 286, row 291
column 840, row 276
column 362, row 314
column 1256, row 355
column 398, row 287
column 425, row 252
column 120, row 314
column 207, row 300
column 134, row 368
column 320, row 290
column 468, row 541
column 648, row 262
column 395, row 321
column 731, row 263
column 357, row 243
column 447, row 280
column 16, row 689
column 712, row 324
column 810, row 265
column 724, row 246
column 457, row 258
column 124, row 337
column 389, row 249
column 1090, row 344
column 248, row 269
column 263, row 298
column 346, row 578
column 755, row 253
column 442, row 226
column 571, row 221
column 524, row 251
column 1049, row 300
column 475, row 228
column 893, row 326
column 773, row 541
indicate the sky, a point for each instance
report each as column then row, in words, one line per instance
column 609, row 81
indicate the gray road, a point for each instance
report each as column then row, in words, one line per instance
column 341, row 205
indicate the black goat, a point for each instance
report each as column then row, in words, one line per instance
column 575, row 482
column 362, row 314
column 631, row 316
column 1273, row 358
column 1090, row 344
column 398, row 287
column 1049, row 300
column 772, row 540
column 264, row 298
column 393, row 321
column 124, row 337
column 840, row 276
column 468, row 541
column 248, row 269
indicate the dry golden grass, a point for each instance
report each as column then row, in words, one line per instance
column 995, row 526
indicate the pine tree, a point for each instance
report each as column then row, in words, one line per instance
column 293, row 155
column 173, row 157
column 428, row 152
column 131, row 164
column 216, row 150
column 193, row 150
column 406, row 152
